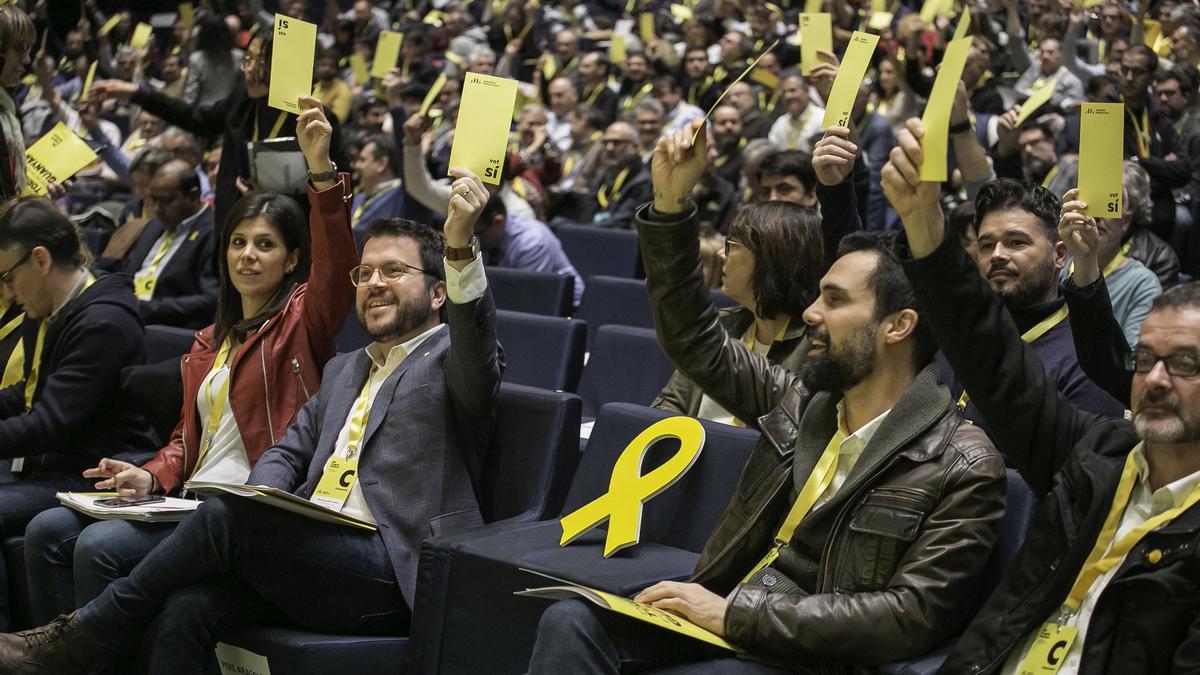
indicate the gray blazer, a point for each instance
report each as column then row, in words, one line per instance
column 426, row 437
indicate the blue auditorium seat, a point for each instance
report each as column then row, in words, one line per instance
column 599, row 251
column 626, row 365
column 167, row 342
column 352, row 336
column 613, row 300
column 469, row 620
column 541, row 351
column 532, row 292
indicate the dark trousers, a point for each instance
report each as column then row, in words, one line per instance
column 575, row 636
column 233, row 554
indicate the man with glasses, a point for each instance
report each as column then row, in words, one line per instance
column 1105, row 581
column 1040, row 162
column 622, row 184
column 396, row 436
column 171, row 259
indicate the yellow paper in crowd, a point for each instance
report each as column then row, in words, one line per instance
column 387, row 52
column 141, row 35
column 187, row 14
column 646, row 27
column 1153, row 30
column 55, row 157
column 110, row 24
column 681, row 13
column 616, row 49
column 433, row 94
column 816, row 34
column 87, row 82
column 932, row 9
column 964, row 24
column 749, row 69
column 1037, row 99
column 813, row 6
column 880, row 20
column 481, row 136
column 291, row 63
column 549, row 68
column 358, row 66
column 879, row 5
column 765, row 77
column 936, row 118
column 1101, row 151
column 849, row 79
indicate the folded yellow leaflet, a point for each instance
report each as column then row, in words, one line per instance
column 936, row 118
column 1037, row 98
column 1101, row 155
column 646, row 27
column 849, row 79
column 141, row 36
column 433, row 94
column 816, row 34
column 295, row 45
column 55, row 157
column 616, row 49
column 932, row 9
column 387, row 52
column 481, row 135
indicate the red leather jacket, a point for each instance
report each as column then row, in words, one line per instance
column 279, row 366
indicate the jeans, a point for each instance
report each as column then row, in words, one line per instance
column 71, row 558
column 26, row 497
column 324, row 577
column 575, row 636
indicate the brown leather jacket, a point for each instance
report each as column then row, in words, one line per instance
column 888, row 568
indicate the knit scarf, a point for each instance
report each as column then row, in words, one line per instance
column 14, row 137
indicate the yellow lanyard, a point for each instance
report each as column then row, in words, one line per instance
column 144, row 289
column 383, row 187
column 818, row 481
column 1112, row 266
column 216, row 403
column 1050, row 176
column 274, row 129
column 752, row 332
column 1029, row 337
column 724, row 159
column 794, row 130
column 1143, row 132
column 637, row 96
column 605, row 196
column 1106, row 554
column 11, row 325
column 697, row 90
column 358, row 418
column 595, row 94
column 31, row 382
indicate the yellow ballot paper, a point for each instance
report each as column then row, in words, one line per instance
column 646, row 27
column 749, row 69
column 932, row 9
column 813, row 6
column 387, row 52
column 616, row 49
column 765, row 77
column 481, row 136
column 433, row 94
column 681, row 13
column 187, row 14
column 816, row 34
column 1038, row 98
column 936, row 118
column 964, row 24
column 87, row 82
column 110, row 24
column 291, row 63
column 849, row 79
column 637, row 610
column 879, row 5
column 141, row 35
column 358, row 66
column 1101, row 152
column 55, row 157
column 880, row 20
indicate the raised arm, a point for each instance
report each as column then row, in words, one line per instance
column 834, row 158
column 206, row 120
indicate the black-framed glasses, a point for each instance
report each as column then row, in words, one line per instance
column 388, row 271
column 1178, row 365
column 730, row 242
column 6, row 275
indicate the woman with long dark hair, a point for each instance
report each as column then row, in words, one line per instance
column 246, row 377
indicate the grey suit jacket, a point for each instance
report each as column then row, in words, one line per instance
column 426, row 436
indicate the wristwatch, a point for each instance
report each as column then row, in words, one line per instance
column 467, row 252
column 960, row 128
column 325, row 175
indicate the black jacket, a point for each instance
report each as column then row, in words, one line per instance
column 76, row 417
column 185, row 294
column 1146, row 618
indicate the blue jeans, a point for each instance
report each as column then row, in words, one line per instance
column 71, row 558
column 323, row 577
column 575, row 636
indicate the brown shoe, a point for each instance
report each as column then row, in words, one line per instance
column 63, row 646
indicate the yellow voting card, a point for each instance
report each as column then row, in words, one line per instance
column 879, row 5
column 765, row 77
column 646, row 27
column 291, row 63
column 433, row 94
column 1101, row 153
column 616, row 49
column 1038, row 98
column 110, row 24
column 849, row 79
column 358, row 66
column 141, row 36
column 387, row 52
column 681, row 13
column 549, row 68
column 55, row 157
column 813, row 6
column 880, row 20
column 481, row 135
column 87, row 82
column 932, row 9
column 816, row 34
column 964, row 24
column 749, row 69
column 187, row 14
column 937, row 111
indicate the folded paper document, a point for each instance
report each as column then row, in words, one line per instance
column 170, row 510
column 279, row 499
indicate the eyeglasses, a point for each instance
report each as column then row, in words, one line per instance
column 730, row 242
column 6, row 275
column 1178, row 365
column 389, row 271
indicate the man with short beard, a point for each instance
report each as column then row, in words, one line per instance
column 1040, row 162
column 1021, row 256
column 1105, row 580
column 862, row 520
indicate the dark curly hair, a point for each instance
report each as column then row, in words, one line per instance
column 787, row 246
column 1006, row 193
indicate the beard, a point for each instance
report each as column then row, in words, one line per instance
column 1175, row 426
column 410, row 313
column 1038, row 167
column 1025, row 289
column 842, row 365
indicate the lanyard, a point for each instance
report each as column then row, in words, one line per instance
column 1112, row 266
column 11, row 325
column 794, row 130
column 1143, row 132
column 31, row 382
column 217, row 403
column 383, row 187
column 637, row 97
column 1106, row 553
column 1029, row 337
column 724, row 159
column 595, row 94
column 697, row 90
column 145, row 287
column 752, row 332
column 358, row 418
column 274, row 129
column 605, row 196
column 1050, row 176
